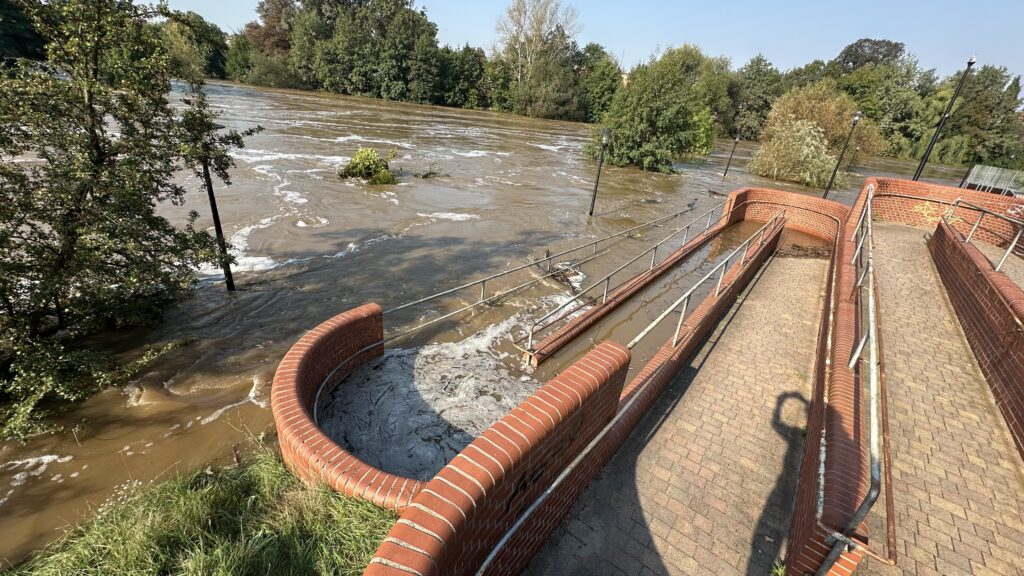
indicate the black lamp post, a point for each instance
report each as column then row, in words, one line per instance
column 729, row 163
column 605, row 133
column 853, row 126
column 205, row 161
column 942, row 120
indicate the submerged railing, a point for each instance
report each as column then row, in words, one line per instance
column 719, row 269
column 606, row 280
column 482, row 283
column 982, row 213
column 625, row 408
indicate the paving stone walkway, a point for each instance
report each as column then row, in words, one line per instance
column 706, row 482
column 958, row 479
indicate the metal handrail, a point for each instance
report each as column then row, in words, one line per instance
column 982, row 213
column 577, row 461
column 721, row 268
column 547, row 258
column 863, row 256
column 607, row 278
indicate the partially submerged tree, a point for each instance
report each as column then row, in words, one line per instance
column 797, row 152
column 82, row 249
column 660, row 114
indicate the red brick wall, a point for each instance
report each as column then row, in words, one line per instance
column 933, row 201
column 838, row 423
column 454, row 523
column 807, row 214
column 314, row 360
column 990, row 307
column 456, row 520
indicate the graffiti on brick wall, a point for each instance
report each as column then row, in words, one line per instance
column 930, row 212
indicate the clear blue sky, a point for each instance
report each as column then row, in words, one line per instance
column 942, row 33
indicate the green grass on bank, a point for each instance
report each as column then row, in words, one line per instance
column 253, row 519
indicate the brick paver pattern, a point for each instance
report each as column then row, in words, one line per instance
column 957, row 477
column 706, row 482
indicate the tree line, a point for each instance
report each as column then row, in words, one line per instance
column 389, row 49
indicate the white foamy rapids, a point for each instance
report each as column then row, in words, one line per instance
column 411, row 411
column 453, row 216
column 312, row 222
column 358, row 138
column 550, row 147
column 257, row 156
column 470, row 153
column 239, row 244
column 254, row 396
column 354, row 247
column 31, row 467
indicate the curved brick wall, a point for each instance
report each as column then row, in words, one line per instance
column 315, row 360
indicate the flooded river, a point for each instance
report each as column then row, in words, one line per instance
column 310, row 246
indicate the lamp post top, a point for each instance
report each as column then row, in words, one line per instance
column 857, row 117
column 971, row 61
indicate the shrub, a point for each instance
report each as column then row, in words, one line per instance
column 797, row 152
column 369, row 165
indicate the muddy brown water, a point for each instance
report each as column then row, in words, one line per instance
column 310, row 246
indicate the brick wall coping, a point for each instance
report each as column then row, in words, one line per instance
column 321, row 359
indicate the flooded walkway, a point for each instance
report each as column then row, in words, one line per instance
column 705, row 483
column 957, row 476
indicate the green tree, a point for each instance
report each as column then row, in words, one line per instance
column 758, row 85
column 537, row 48
column 82, row 248
column 659, row 115
column 599, row 78
column 985, row 124
column 241, row 58
column 196, row 46
column 463, row 75
column 805, row 75
column 887, row 94
column 868, row 51
column 797, row 152
column 271, row 35
column 828, row 108
column 19, row 39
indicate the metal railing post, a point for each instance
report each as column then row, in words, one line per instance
column 975, row 227
column 654, row 255
column 718, row 287
column 708, row 225
column 1009, row 249
column 607, row 284
column 483, row 290
column 679, row 325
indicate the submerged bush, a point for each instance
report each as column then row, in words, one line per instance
column 369, row 165
column 797, row 152
column 253, row 519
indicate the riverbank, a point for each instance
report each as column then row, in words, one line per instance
column 253, row 518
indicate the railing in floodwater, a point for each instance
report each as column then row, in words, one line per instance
column 863, row 261
column 982, row 212
column 623, row 410
column 607, row 278
column 484, row 298
column 720, row 269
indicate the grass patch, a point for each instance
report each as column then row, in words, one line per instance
column 252, row 519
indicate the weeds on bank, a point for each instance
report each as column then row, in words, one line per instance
column 253, row 519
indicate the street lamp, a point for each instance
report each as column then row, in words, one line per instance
column 729, row 163
column 205, row 161
column 853, row 126
column 942, row 120
column 605, row 134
